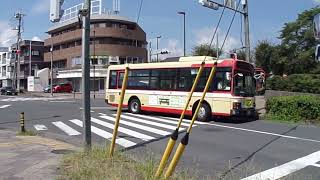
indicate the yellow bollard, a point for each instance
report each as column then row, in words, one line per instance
column 22, row 122
column 174, row 136
column 116, row 125
column 185, row 139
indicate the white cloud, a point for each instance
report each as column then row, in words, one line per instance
column 36, row 38
column 41, row 6
column 7, row 34
column 204, row 35
column 316, row 1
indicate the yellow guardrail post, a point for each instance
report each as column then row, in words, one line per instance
column 185, row 139
column 116, row 125
column 175, row 134
column 22, row 122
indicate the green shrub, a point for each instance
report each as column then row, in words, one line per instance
column 294, row 108
column 306, row 83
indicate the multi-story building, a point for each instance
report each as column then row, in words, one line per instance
column 6, row 74
column 113, row 40
column 27, row 61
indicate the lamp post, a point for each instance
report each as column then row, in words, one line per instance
column 158, row 37
column 184, row 31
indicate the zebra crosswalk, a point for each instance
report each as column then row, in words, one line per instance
column 133, row 129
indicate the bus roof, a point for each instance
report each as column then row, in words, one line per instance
column 192, row 61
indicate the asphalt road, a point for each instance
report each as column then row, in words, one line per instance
column 226, row 150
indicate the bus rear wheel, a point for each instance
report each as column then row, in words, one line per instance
column 134, row 106
column 204, row 113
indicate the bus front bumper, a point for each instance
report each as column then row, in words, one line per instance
column 243, row 112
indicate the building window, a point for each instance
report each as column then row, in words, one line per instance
column 35, row 53
column 76, row 61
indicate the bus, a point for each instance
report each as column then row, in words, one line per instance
column 164, row 87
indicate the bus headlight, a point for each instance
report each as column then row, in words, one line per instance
column 236, row 105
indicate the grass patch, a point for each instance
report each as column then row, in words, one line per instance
column 27, row 133
column 97, row 165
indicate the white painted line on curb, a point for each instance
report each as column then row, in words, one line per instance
column 132, row 133
column 267, row 133
column 65, row 128
column 40, row 127
column 121, row 141
column 138, row 126
column 287, row 168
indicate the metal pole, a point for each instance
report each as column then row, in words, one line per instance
column 157, row 49
column 246, row 30
column 30, row 51
column 51, row 64
column 184, row 34
column 217, row 48
column 86, row 73
column 150, row 52
column 94, row 67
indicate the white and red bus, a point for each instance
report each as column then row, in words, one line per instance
column 164, row 87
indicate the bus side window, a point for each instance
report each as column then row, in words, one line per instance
column 113, row 80
column 185, row 79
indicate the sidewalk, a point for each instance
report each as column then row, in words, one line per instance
column 30, row 157
column 261, row 105
column 77, row 95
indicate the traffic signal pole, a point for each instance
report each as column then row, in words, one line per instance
column 246, row 30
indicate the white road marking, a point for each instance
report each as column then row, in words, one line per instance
column 121, row 141
column 159, row 119
column 15, row 99
column 138, row 126
column 316, row 165
column 148, row 122
column 40, row 127
column 67, row 129
column 124, row 130
column 62, row 101
column 267, row 133
column 188, row 121
column 287, row 168
column 5, row 106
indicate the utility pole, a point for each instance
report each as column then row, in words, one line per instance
column 85, row 13
column 51, row 64
column 93, row 63
column 246, row 29
column 158, row 37
column 30, row 51
column 18, row 16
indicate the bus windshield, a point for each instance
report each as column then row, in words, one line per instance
column 244, row 84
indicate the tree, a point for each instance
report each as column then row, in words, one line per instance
column 205, row 50
column 264, row 52
column 298, row 43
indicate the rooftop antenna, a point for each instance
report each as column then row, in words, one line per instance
column 116, row 6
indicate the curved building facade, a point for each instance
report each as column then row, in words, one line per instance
column 113, row 40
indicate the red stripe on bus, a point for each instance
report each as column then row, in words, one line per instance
column 220, row 114
column 165, row 110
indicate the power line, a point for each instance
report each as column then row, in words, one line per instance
column 141, row 2
column 234, row 15
column 215, row 31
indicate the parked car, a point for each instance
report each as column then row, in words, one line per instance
column 48, row 88
column 63, row 87
column 8, row 91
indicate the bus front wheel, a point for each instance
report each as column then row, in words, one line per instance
column 134, row 106
column 204, row 113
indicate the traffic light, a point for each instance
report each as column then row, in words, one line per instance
column 164, row 52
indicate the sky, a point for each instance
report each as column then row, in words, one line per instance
column 160, row 18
